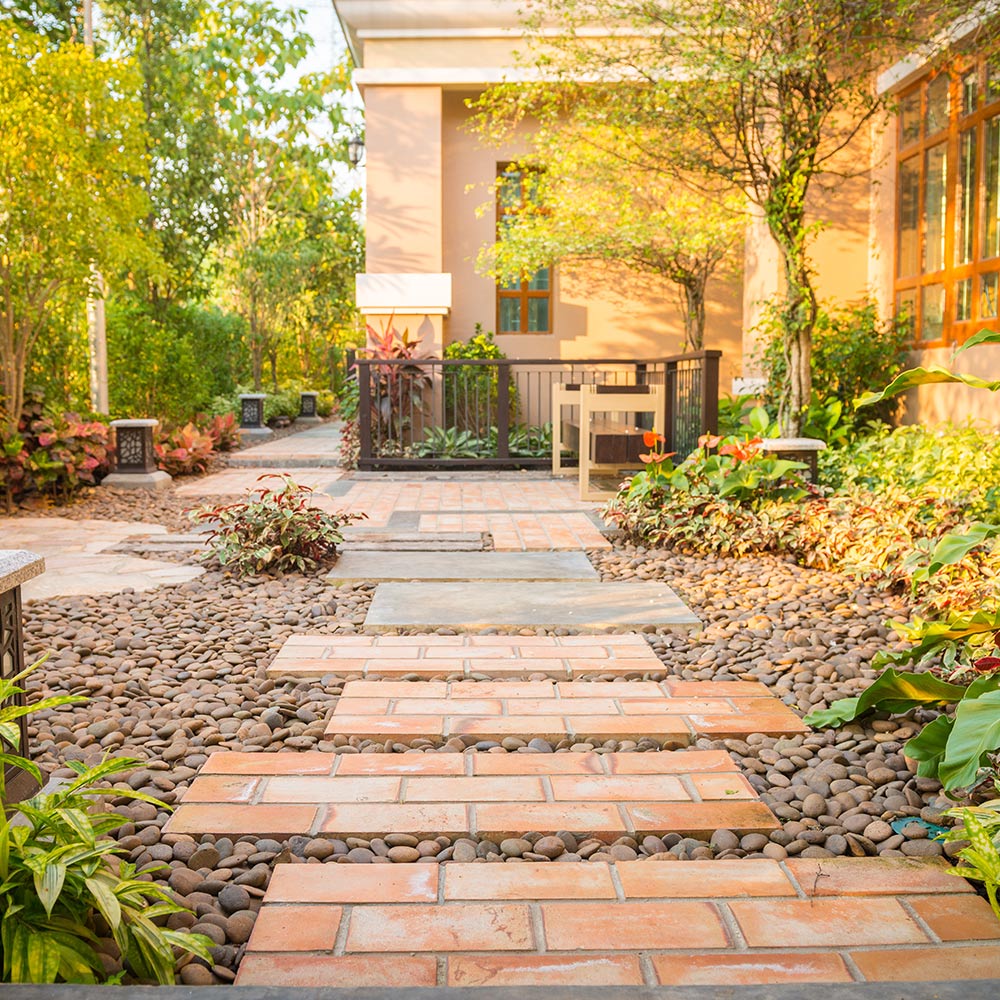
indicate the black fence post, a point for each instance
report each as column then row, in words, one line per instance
column 710, row 392
column 670, row 383
column 503, row 410
column 365, row 455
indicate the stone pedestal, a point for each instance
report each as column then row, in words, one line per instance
column 308, row 413
column 135, row 462
column 252, row 415
column 797, row 450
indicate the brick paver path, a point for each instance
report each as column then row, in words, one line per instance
column 492, row 795
column 671, row 711
column 443, row 656
column 633, row 923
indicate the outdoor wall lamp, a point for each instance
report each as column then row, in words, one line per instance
column 355, row 148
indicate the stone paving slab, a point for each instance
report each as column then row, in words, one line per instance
column 453, row 566
column 443, row 656
column 473, row 794
column 583, row 604
column 524, row 532
column 555, row 710
column 752, row 921
column 240, row 481
column 79, row 556
column 317, row 446
column 382, row 541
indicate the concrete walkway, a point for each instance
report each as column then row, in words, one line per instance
column 317, row 446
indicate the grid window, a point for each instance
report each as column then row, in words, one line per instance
column 948, row 202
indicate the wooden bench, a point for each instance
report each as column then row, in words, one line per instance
column 603, row 444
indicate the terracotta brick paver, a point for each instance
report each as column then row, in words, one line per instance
column 553, row 710
column 440, row 656
column 691, row 792
column 524, row 532
column 633, row 923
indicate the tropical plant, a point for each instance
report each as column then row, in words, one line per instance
column 979, row 828
column 223, row 429
column 184, row 451
column 470, row 391
column 449, row 442
column 63, row 884
column 273, row 530
column 397, row 387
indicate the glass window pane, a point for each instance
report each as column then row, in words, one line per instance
column 963, row 300
column 510, row 315
column 909, row 118
column 935, row 205
column 538, row 315
column 906, row 306
column 936, row 117
column 539, row 280
column 907, row 250
column 510, row 286
column 991, row 184
column 965, row 196
column 988, row 287
column 932, row 312
column 510, row 191
column 970, row 91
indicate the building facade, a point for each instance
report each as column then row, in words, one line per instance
column 918, row 231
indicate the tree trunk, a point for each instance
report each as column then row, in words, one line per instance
column 694, row 314
column 256, row 347
column 798, row 320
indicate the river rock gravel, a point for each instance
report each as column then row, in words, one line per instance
column 177, row 673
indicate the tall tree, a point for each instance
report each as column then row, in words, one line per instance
column 71, row 154
column 766, row 95
column 597, row 191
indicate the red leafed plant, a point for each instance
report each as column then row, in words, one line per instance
column 184, row 451
column 273, row 529
column 224, row 430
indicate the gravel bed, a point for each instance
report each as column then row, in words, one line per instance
column 177, row 673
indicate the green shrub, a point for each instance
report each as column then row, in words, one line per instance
column 273, row 530
column 470, row 391
column 63, row 884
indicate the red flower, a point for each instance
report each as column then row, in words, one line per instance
column 987, row 664
column 654, row 457
column 651, row 438
column 709, row 440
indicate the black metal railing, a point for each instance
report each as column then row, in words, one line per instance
column 497, row 413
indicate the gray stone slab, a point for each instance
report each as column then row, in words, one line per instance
column 387, row 565
column 537, row 605
column 380, row 540
column 18, row 566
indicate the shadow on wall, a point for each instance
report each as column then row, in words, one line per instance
column 935, row 404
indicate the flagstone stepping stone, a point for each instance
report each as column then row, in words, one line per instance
column 633, row 923
column 474, row 794
column 451, row 566
column 412, row 541
column 584, row 604
column 671, row 711
column 563, row 657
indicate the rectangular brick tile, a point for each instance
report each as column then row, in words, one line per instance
column 314, row 667
column 296, row 927
column 395, row 689
column 339, row 789
column 623, row 788
column 526, row 726
column 582, row 651
column 967, row 917
column 363, row 706
column 460, row 927
column 701, row 817
column 562, row 706
column 307, row 762
column 703, row 879
column 353, row 884
column 716, row 689
column 632, row 926
column 501, row 689
column 376, row 819
column 931, row 964
column 544, row 970
column 825, row 923
column 527, row 882
column 609, row 689
column 380, row 727
column 670, row 762
column 221, row 788
column 290, row 970
column 507, row 788
column 279, row 821
column 724, row 787
column 737, row 725
column 514, row 641
column 405, row 763
column 875, row 876
column 517, row 667
column 447, row 706
column 628, row 727
column 508, row 820
column 385, row 664
column 759, row 968
column 539, row 763
column 676, row 706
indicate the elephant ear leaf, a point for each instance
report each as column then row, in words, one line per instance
column 975, row 734
column 892, row 692
column 930, row 745
column 983, row 337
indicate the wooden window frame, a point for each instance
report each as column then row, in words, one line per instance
column 522, row 293
column 953, row 331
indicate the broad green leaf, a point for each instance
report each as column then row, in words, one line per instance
column 983, row 337
column 892, row 692
column 105, row 898
column 955, row 546
column 929, row 746
column 43, row 959
column 923, row 376
column 976, row 733
column 49, row 884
